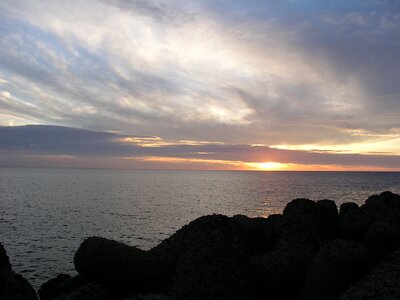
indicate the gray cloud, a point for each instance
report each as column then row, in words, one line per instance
column 239, row 72
column 30, row 143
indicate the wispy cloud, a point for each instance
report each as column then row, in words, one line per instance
column 70, row 146
column 272, row 73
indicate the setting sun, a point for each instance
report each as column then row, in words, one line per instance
column 272, row 166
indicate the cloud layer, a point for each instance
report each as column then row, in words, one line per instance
column 32, row 145
column 236, row 72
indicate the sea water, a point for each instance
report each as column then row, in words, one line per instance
column 46, row 213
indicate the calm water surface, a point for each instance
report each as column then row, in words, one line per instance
column 46, row 213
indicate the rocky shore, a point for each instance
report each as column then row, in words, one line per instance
column 311, row 251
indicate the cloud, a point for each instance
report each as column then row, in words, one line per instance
column 63, row 146
column 238, row 72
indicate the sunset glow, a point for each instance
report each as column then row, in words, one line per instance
column 236, row 85
column 269, row 166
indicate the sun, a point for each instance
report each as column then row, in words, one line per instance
column 272, row 166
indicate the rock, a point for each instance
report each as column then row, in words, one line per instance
column 255, row 235
column 50, row 289
column 322, row 214
column 330, row 215
column 382, row 283
column 216, row 266
column 14, row 287
column 301, row 208
column 281, row 273
column 89, row 291
column 150, row 297
column 303, row 228
column 4, row 261
column 115, row 264
column 285, row 256
column 382, row 237
column 337, row 265
column 385, row 206
column 354, row 221
column 65, row 287
column 258, row 233
column 348, row 208
column 124, row 267
column 61, row 285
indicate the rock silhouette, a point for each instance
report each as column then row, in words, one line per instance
column 337, row 265
column 12, row 285
column 310, row 251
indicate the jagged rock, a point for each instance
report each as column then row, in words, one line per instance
column 4, row 261
column 13, row 286
column 382, row 237
column 337, row 265
column 382, row 283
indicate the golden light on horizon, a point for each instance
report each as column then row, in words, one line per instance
column 271, row 166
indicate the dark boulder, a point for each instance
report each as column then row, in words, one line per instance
column 216, row 266
column 385, row 206
column 301, row 208
column 149, row 297
column 320, row 218
column 255, row 235
column 348, row 208
column 382, row 283
column 89, row 291
column 354, row 221
column 303, row 228
column 133, row 270
column 15, row 287
column 280, row 274
column 115, row 264
column 382, row 237
column 337, row 265
column 330, row 217
column 4, row 261
column 62, row 285
column 51, row 288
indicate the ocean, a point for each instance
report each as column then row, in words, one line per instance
column 46, row 213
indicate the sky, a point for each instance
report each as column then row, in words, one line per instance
column 211, row 84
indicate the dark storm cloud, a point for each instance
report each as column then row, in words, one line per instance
column 63, row 141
